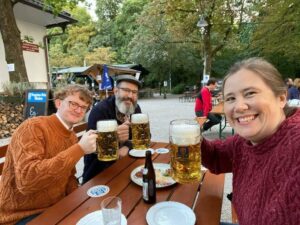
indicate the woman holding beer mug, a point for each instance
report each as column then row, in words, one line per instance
column 264, row 154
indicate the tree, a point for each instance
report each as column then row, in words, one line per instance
column 12, row 38
column 71, row 48
column 101, row 55
column 12, row 41
column 276, row 34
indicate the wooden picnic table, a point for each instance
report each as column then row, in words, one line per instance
column 219, row 109
column 206, row 196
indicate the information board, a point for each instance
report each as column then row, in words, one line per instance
column 36, row 102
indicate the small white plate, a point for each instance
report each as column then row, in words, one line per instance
column 98, row 191
column 140, row 153
column 95, row 218
column 163, row 179
column 170, row 213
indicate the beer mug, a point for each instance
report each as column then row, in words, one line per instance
column 185, row 151
column 107, row 141
column 140, row 131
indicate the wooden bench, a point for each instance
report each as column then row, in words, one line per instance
column 212, row 194
column 79, row 129
column 201, row 120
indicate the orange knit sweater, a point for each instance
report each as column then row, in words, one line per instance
column 39, row 168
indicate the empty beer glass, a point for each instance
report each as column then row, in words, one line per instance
column 107, row 141
column 185, row 142
column 140, row 131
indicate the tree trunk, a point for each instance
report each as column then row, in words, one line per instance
column 12, row 42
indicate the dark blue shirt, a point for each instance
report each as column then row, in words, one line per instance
column 293, row 93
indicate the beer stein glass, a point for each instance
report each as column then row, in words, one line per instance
column 185, row 151
column 140, row 131
column 107, row 141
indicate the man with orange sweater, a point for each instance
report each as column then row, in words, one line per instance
column 39, row 167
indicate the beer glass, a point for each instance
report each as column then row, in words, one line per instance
column 140, row 131
column 107, row 141
column 185, row 151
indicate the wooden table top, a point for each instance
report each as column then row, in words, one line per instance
column 205, row 196
column 218, row 109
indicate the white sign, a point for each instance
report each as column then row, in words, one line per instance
column 11, row 67
column 205, row 78
column 137, row 75
column 165, row 83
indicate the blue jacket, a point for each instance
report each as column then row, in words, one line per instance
column 293, row 93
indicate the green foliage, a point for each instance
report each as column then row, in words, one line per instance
column 70, row 49
column 101, row 55
column 108, row 10
column 164, row 38
column 178, row 89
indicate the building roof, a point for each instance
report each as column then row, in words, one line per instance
column 71, row 70
column 34, row 11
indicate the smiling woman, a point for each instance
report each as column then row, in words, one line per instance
column 255, row 105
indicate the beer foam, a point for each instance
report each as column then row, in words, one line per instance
column 107, row 125
column 139, row 118
column 184, row 134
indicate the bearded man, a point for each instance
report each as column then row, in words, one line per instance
column 118, row 107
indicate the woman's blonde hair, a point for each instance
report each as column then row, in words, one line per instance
column 297, row 83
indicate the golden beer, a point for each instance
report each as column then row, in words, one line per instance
column 140, row 131
column 107, row 141
column 185, row 142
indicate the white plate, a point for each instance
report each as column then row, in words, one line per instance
column 140, row 153
column 170, row 213
column 161, row 179
column 95, row 218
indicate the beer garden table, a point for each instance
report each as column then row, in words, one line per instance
column 204, row 197
column 219, row 109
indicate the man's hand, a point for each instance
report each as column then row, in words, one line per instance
column 123, row 131
column 123, row 151
column 88, row 142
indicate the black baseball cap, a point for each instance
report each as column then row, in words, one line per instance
column 128, row 78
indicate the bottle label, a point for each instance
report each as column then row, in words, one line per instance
column 145, row 191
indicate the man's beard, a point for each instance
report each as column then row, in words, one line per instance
column 123, row 108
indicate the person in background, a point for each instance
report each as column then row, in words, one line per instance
column 293, row 92
column 297, row 85
column 263, row 156
column 39, row 168
column 118, row 107
column 203, row 105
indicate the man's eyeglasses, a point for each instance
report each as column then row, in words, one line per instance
column 75, row 106
column 128, row 91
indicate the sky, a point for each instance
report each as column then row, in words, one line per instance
column 91, row 7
